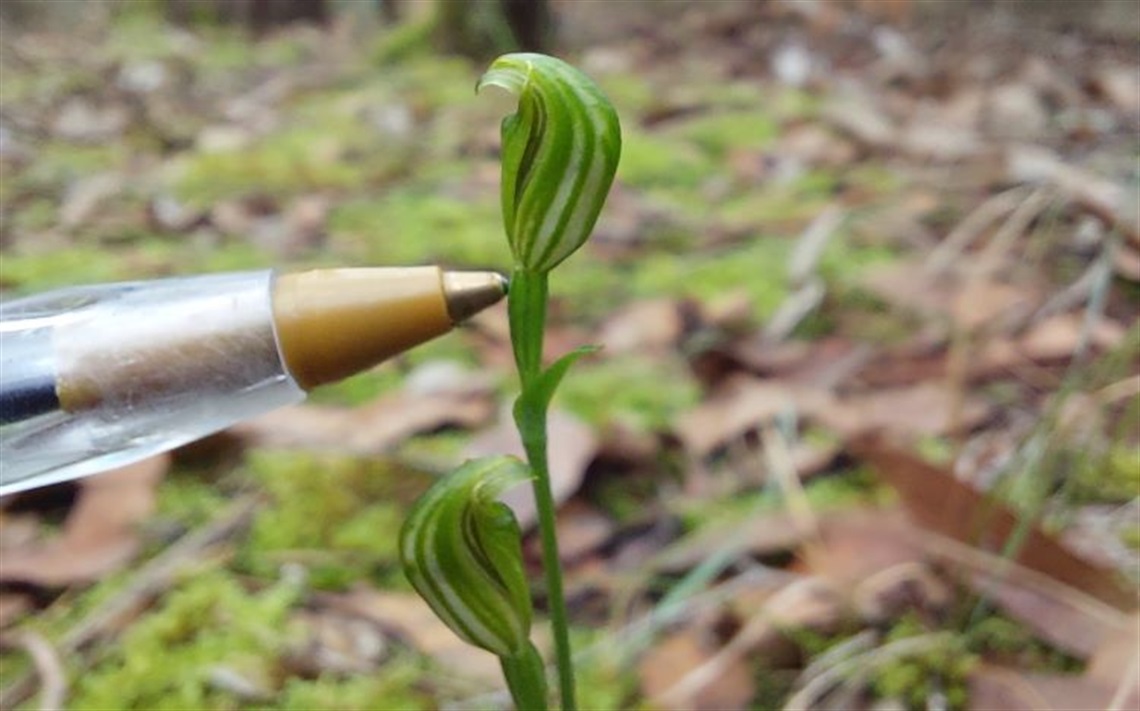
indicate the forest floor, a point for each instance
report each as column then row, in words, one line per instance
column 864, row 430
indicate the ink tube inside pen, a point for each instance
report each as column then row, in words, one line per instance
column 100, row 377
column 29, row 376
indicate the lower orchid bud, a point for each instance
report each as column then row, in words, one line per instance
column 460, row 549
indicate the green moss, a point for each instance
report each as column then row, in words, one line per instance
column 141, row 35
column 846, row 259
column 390, row 376
column 26, row 272
column 359, row 389
column 35, row 215
column 936, row 450
column 284, row 50
column 940, row 668
column 1005, row 641
column 603, row 681
column 728, row 512
column 340, row 516
column 631, row 94
column 875, row 178
column 856, row 486
column 584, row 289
column 290, row 162
column 144, row 255
column 231, row 51
column 718, row 132
column 164, row 659
column 13, row 665
column 417, row 225
column 773, row 687
column 1130, row 536
column 757, row 268
column 189, row 500
column 649, row 160
column 790, row 205
column 812, row 643
column 435, row 81
column 444, row 446
column 794, row 105
column 405, row 41
column 230, row 256
column 58, row 163
column 1112, row 477
column 396, row 685
column 824, row 493
column 645, row 393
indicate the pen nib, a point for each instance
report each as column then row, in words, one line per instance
column 468, row 293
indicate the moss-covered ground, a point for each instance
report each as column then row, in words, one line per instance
column 205, row 171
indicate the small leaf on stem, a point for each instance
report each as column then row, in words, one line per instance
column 535, row 398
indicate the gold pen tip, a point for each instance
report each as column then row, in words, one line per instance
column 468, row 293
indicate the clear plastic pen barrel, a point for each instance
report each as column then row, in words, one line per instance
column 99, row 377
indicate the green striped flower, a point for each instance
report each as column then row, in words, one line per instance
column 460, row 549
column 560, row 151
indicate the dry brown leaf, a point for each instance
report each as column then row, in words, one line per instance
column 928, row 408
column 1066, row 623
column 822, row 363
column 1120, row 84
column 1000, row 688
column 13, row 606
column 967, row 302
column 757, row 535
column 1110, row 640
column 1113, row 660
column 1052, row 340
column 672, row 658
column 572, row 445
column 927, row 136
column 1015, row 111
column 582, row 529
column 650, row 326
column 370, row 429
column 816, row 146
column 860, row 118
column 410, row 617
column 858, row 544
column 336, row 642
column 983, row 301
column 1126, row 261
column 86, row 197
column 805, row 603
column 938, row 501
column 1114, row 204
column 906, row 285
column 743, row 404
column 1059, row 336
column 100, row 534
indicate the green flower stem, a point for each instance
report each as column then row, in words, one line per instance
column 527, row 314
column 526, row 310
column 526, row 678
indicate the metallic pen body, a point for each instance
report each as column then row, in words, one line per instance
column 97, row 377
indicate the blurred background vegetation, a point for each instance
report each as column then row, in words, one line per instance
column 916, row 218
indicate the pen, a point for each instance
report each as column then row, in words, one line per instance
column 93, row 378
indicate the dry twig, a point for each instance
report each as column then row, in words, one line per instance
column 49, row 669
